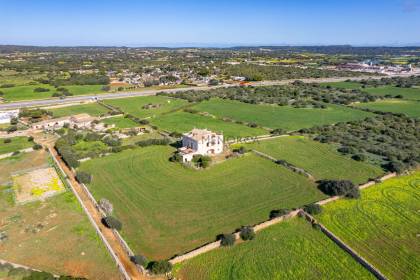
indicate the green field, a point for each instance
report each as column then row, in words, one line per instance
column 345, row 85
column 18, row 143
column 120, row 122
column 92, row 109
column 289, row 250
column 407, row 93
column 320, row 160
column 18, row 93
column 275, row 116
column 410, row 108
column 383, row 225
column 133, row 105
column 144, row 136
column 183, row 122
column 168, row 209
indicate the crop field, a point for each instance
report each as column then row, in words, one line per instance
column 26, row 92
column 289, row 250
column 167, row 209
column 407, row 93
column 134, row 105
column 92, row 109
column 383, row 225
column 274, row 116
column 42, row 229
column 320, row 160
column 410, row 108
column 120, row 122
column 144, row 136
column 18, row 143
column 183, row 122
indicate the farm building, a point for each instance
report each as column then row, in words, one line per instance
column 200, row 142
column 76, row 121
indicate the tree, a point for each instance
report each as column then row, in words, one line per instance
column 312, row 209
column 227, row 239
column 83, row 177
column 37, row 147
column 106, row 205
column 247, row 233
column 112, row 222
column 14, row 121
column 340, row 187
column 160, row 267
column 278, row 213
column 7, row 140
column 359, row 157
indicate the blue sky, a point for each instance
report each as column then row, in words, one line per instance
column 209, row 23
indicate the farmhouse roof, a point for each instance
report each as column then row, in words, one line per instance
column 200, row 134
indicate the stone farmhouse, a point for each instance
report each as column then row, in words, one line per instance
column 200, row 142
column 76, row 121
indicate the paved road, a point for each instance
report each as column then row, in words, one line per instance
column 82, row 98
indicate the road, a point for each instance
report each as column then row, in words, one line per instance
column 102, row 96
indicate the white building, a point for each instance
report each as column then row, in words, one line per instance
column 200, row 142
column 76, row 121
column 6, row 116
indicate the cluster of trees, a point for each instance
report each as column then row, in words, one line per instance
column 153, row 141
column 298, row 94
column 337, row 187
column 404, row 82
column 253, row 72
column 394, row 139
column 11, row 272
column 80, row 79
column 34, row 115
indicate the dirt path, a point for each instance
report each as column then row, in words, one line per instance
column 116, row 247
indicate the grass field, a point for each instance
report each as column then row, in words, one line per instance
column 18, row 93
column 18, row 143
column 42, row 229
column 167, row 209
column 133, row 105
column 408, row 107
column 275, row 116
column 92, row 109
column 120, row 122
column 183, row 122
column 321, row 160
column 289, row 250
column 133, row 139
column 383, row 225
column 407, row 93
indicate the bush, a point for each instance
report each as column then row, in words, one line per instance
column 247, row 233
column 227, row 239
column 139, row 260
column 38, row 275
column 112, row 222
column 83, row 177
column 160, row 267
column 30, row 139
column 359, row 157
column 7, row 140
column 241, row 150
column 37, row 147
column 278, row 131
column 11, row 128
column 312, row 209
column 40, row 89
column 149, row 142
column 341, row 187
column 278, row 213
column 201, row 161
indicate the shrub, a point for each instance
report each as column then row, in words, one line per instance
column 39, row 275
column 7, row 140
column 11, row 128
column 144, row 122
column 176, row 157
column 341, row 187
column 40, row 89
column 106, row 205
column 149, row 142
column 359, row 157
column 111, row 141
column 30, row 139
column 160, row 267
column 112, row 222
column 201, row 161
column 15, row 153
column 241, row 150
column 278, row 213
column 247, row 233
column 253, row 125
column 278, row 131
column 312, row 209
column 37, row 147
column 227, row 239
column 139, row 260
column 83, row 177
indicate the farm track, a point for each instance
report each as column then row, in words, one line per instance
column 108, row 234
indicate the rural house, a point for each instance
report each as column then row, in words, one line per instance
column 200, row 142
column 77, row 121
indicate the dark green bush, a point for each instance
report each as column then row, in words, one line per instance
column 160, row 267
column 227, row 239
column 112, row 222
column 312, row 209
column 247, row 233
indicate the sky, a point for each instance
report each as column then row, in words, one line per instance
column 209, row 23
